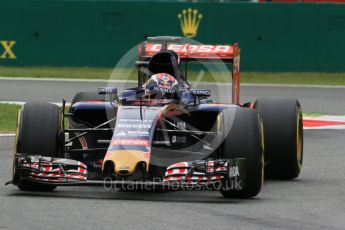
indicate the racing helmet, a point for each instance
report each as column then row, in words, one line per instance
column 162, row 84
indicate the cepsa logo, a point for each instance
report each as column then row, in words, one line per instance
column 7, row 52
column 187, row 48
column 140, row 142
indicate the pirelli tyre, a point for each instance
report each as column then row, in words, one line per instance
column 244, row 139
column 38, row 132
column 88, row 96
column 283, row 133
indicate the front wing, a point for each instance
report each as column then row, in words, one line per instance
column 67, row 172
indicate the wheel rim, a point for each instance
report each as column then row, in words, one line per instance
column 262, row 154
column 299, row 140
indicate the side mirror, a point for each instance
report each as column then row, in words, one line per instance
column 201, row 92
column 107, row 90
column 112, row 91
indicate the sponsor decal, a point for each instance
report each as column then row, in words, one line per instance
column 8, row 52
column 107, row 90
column 178, row 139
column 150, row 102
column 121, row 133
column 134, row 123
column 138, row 133
column 183, row 49
column 140, row 142
column 201, row 92
column 164, row 90
column 134, row 126
column 233, row 171
column 134, row 120
column 189, row 21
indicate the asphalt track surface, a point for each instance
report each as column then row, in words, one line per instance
column 316, row 200
column 313, row 201
column 322, row 100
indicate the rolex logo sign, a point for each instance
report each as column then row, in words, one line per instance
column 189, row 20
column 7, row 52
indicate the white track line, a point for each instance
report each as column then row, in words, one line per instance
column 23, row 102
column 64, row 80
column 326, row 118
column 134, row 81
column 7, row 135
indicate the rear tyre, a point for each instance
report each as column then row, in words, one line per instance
column 283, row 131
column 38, row 128
column 244, row 140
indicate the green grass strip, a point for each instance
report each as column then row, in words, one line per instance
column 8, row 116
column 302, row 78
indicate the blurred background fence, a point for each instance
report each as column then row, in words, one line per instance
column 273, row 36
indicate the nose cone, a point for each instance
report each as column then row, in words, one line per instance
column 126, row 161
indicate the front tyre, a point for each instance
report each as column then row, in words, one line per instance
column 38, row 128
column 244, row 139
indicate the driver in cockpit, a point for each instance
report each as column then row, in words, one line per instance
column 166, row 79
column 162, row 84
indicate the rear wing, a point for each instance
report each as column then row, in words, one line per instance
column 188, row 52
column 199, row 53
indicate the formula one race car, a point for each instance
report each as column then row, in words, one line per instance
column 162, row 133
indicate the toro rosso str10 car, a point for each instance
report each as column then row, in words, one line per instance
column 161, row 133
